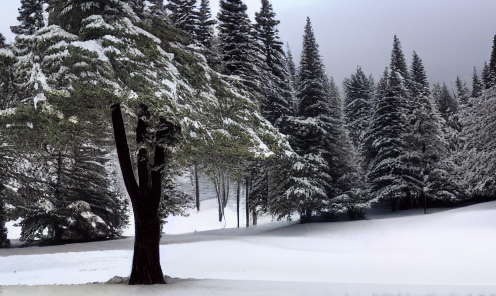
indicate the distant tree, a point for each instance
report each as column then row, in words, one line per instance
column 476, row 85
column 486, row 76
column 206, row 24
column 462, row 91
column 358, row 104
column 492, row 61
column 446, row 102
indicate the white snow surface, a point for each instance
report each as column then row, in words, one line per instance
column 450, row 252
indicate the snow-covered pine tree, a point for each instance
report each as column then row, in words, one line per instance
column 30, row 16
column 138, row 63
column 236, row 40
column 445, row 101
column 462, row 92
column 487, row 80
column 7, row 86
column 277, row 102
column 205, row 30
column 350, row 191
column 476, row 85
column 291, row 66
column 28, row 75
column 492, row 62
column 477, row 166
column 426, row 149
column 184, row 16
column 358, row 104
column 385, row 137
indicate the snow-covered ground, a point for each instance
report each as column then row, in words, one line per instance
column 446, row 253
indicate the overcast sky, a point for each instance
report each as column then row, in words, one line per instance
column 451, row 36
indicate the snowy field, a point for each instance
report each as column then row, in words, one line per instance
column 450, row 252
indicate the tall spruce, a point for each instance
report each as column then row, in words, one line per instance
column 476, row 85
column 462, row 91
column 277, row 102
column 7, row 78
column 492, row 62
column 358, row 104
column 487, row 80
column 184, row 16
column 388, row 125
column 205, row 31
column 235, row 34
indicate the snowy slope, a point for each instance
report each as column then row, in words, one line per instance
column 446, row 253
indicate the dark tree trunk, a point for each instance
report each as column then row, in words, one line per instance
column 255, row 217
column 247, row 202
column 197, row 189
column 394, row 204
column 4, row 242
column 238, row 193
column 145, row 197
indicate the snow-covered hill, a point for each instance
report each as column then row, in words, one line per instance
column 447, row 253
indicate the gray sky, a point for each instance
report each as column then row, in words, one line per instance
column 451, row 36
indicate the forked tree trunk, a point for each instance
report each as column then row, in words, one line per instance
column 145, row 197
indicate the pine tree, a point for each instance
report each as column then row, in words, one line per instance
column 235, row 36
column 462, row 91
column 476, row 85
column 446, row 102
column 30, row 16
column 7, row 86
column 486, row 76
column 492, row 62
column 358, row 104
column 206, row 24
column 277, row 103
column 386, row 146
column 184, row 16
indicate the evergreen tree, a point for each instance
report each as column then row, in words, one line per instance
column 236, row 39
column 486, row 76
column 184, row 16
column 30, row 16
column 206, row 24
column 462, row 91
column 476, row 85
column 277, row 103
column 492, row 62
column 358, row 103
column 398, row 63
column 387, row 146
column 445, row 101
column 7, row 86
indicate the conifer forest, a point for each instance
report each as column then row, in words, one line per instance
column 104, row 103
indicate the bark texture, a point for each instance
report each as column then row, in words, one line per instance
column 145, row 193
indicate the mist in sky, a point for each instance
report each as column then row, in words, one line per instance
column 451, row 36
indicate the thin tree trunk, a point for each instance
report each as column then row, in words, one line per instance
column 247, row 202
column 145, row 197
column 197, row 190
column 238, row 193
column 255, row 217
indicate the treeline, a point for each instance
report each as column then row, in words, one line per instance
column 249, row 117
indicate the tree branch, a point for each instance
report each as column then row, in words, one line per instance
column 123, row 152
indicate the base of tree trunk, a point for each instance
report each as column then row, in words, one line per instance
column 146, row 260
